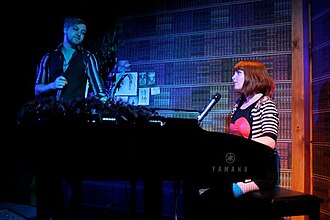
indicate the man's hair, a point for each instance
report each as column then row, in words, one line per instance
column 69, row 21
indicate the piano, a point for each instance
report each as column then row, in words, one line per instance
column 105, row 147
column 118, row 145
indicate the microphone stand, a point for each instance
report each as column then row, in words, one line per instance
column 203, row 113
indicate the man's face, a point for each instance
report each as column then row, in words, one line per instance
column 75, row 34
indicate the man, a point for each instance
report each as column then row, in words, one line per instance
column 67, row 72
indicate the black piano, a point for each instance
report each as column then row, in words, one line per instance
column 106, row 147
column 132, row 144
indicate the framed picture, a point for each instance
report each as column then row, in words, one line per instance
column 133, row 100
column 144, row 96
column 126, row 83
column 142, row 79
column 151, row 79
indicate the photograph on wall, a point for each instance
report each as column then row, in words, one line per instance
column 155, row 90
column 144, row 96
column 151, row 79
column 133, row 100
column 122, row 98
column 126, row 83
column 142, row 79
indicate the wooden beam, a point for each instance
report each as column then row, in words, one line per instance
column 301, row 142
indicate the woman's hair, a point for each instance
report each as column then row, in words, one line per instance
column 257, row 78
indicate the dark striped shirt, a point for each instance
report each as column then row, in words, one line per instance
column 82, row 72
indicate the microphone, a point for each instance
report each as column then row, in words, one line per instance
column 59, row 91
column 58, row 94
column 214, row 99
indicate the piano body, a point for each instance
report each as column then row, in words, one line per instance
column 102, row 147
column 153, row 148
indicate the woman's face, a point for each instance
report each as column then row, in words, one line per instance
column 238, row 79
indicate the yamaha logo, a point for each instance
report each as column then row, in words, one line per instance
column 230, row 158
column 230, row 167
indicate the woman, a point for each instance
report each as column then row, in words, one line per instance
column 254, row 116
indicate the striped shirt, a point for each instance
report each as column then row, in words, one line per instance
column 82, row 72
column 262, row 118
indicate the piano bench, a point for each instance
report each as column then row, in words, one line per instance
column 277, row 203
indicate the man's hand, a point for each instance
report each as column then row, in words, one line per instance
column 60, row 82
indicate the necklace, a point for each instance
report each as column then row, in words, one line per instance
column 65, row 65
column 67, row 55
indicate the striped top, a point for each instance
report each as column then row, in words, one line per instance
column 259, row 119
column 81, row 73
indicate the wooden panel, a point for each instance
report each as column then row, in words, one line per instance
column 300, row 97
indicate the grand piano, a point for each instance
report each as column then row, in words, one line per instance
column 120, row 142
column 126, row 142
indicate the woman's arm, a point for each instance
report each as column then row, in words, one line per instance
column 266, row 141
